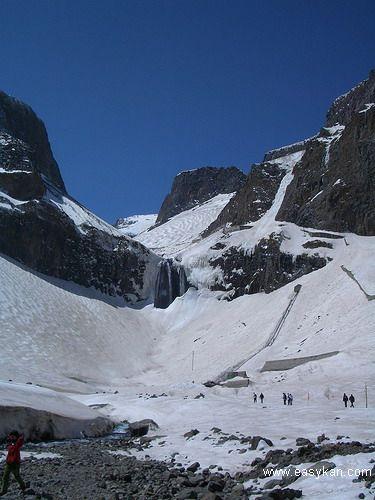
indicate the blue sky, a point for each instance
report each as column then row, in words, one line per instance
column 132, row 92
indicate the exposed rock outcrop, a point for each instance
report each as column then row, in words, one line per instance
column 253, row 199
column 193, row 187
column 265, row 269
column 21, row 124
column 334, row 184
column 45, row 229
column 347, row 105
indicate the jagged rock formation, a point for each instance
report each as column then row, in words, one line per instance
column 347, row 105
column 334, row 184
column 253, row 199
column 45, row 229
column 171, row 282
column 265, row 269
column 194, row 187
column 25, row 132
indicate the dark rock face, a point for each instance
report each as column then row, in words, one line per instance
column 346, row 106
column 171, row 282
column 334, row 184
column 21, row 123
column 253, row 199
column 48, row 241
column 263, row 270
column 197, row 186
column 36, row 228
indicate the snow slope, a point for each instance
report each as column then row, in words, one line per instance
column 74, row 339
column 136, row 224
column 59, row 334
column 179, row 232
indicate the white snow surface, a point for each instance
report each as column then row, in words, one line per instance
column 61, row 334
column 179, row 232
column 78, row 341
column 136, row 224
column 40, row 398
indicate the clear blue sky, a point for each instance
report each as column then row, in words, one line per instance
column 132, row 92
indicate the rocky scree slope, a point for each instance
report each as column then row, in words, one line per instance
column 194, row 187
column 42, row 227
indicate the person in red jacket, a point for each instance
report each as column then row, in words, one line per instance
column 13, row 461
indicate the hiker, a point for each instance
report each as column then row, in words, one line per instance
column 284, row 398
column 255, row 397
column 345, row 399
column 290, row 399
column 13, row 460
column 351, row 399
column 261, row 397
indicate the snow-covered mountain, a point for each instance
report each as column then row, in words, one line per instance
column 44, row 228
column 135, row 224
column 281, row 275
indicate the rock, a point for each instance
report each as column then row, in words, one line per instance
column 194, row 187
column 328, row 187
column 345, row 107
column 284, row 494
column 261, row 186
column 290, row 476
column 269, row 485
column 265, row 269
column 210, row 383
column 237, row 491
column 302, row 442
column 321, row 438
column 191, row 433
column 45, row 232
column 321, row 467
column 211, row 496
column 141, row 427
column 193, row 467
column 216, row 484
column 256, row 440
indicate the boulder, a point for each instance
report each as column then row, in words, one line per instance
column 321, row 467
column 141, row 427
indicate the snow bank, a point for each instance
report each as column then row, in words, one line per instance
column 42, row 414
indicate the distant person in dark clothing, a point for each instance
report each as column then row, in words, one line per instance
column 255, row 397
column 261, row 397
column 284, row 398
column 290, row 399
column 351, row 399
column 345, row 399
column 12, row 462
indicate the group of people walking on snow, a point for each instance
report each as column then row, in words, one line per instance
column 288, row 398
column 351, row 398
column 261, row 397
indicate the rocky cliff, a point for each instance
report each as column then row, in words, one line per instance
column 194, row 187
column 42, row 227
column 326, row 182
column 347, row 105
column 253, row 199
column 334, row 185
